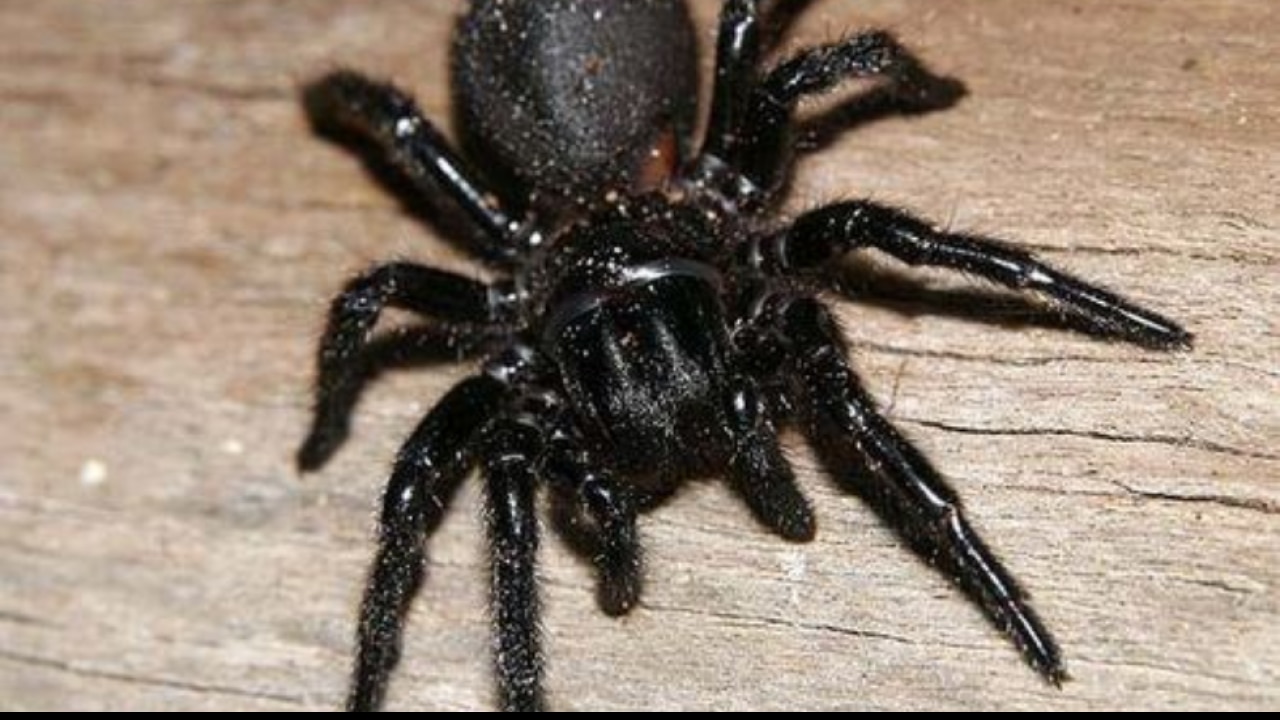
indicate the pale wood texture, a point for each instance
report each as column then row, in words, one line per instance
column 170, row 233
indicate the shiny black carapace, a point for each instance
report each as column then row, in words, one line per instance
column 654, row 318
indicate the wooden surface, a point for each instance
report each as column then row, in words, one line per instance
column 170, row 233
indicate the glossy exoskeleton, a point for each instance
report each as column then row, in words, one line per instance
column 654, row 319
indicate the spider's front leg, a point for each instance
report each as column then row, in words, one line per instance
column 427, row 471
column 822, row 236
column 612, row 541
column 459, row 304
column 850, row 433
column 760, row 472
column 509, row 451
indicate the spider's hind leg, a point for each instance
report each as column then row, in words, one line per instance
column 748, row 150
column 738, row 48
column 348, row 102
column 900, row 483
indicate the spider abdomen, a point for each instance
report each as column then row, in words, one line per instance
column 569, row 96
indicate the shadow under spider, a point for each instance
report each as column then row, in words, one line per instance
column 780, row 17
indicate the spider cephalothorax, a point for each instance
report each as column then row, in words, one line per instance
column 656, row 319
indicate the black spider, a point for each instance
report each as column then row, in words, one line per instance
column 655, row 321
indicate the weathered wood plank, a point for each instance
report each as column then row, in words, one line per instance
column 170, row 233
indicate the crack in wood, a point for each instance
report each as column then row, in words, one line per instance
column 1169, row 440
column 17, row 618
column 138, row 679
column 1044, row 361
column 1256, row 504
column 767, row 621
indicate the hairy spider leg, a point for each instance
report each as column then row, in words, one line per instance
column 737, row 62
column 509, row 452
column 751, row 128
column 389, row 117
column 339, row 389
column 758, row 470
column 427, row 471
column 899, row 482
column 462, row 305
column 613, row 543
column 819, row 237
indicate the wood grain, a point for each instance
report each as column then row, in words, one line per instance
column 170, row 233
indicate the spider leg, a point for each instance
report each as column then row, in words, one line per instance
column 509, row 453
column 901, row 484
column 340, row 386
column 427, row 470
column 737, row 61
column 614, row 542
column 760, row 473
column 464, row 306
column 820, row 236
column 384, row 114
column 752, row 136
